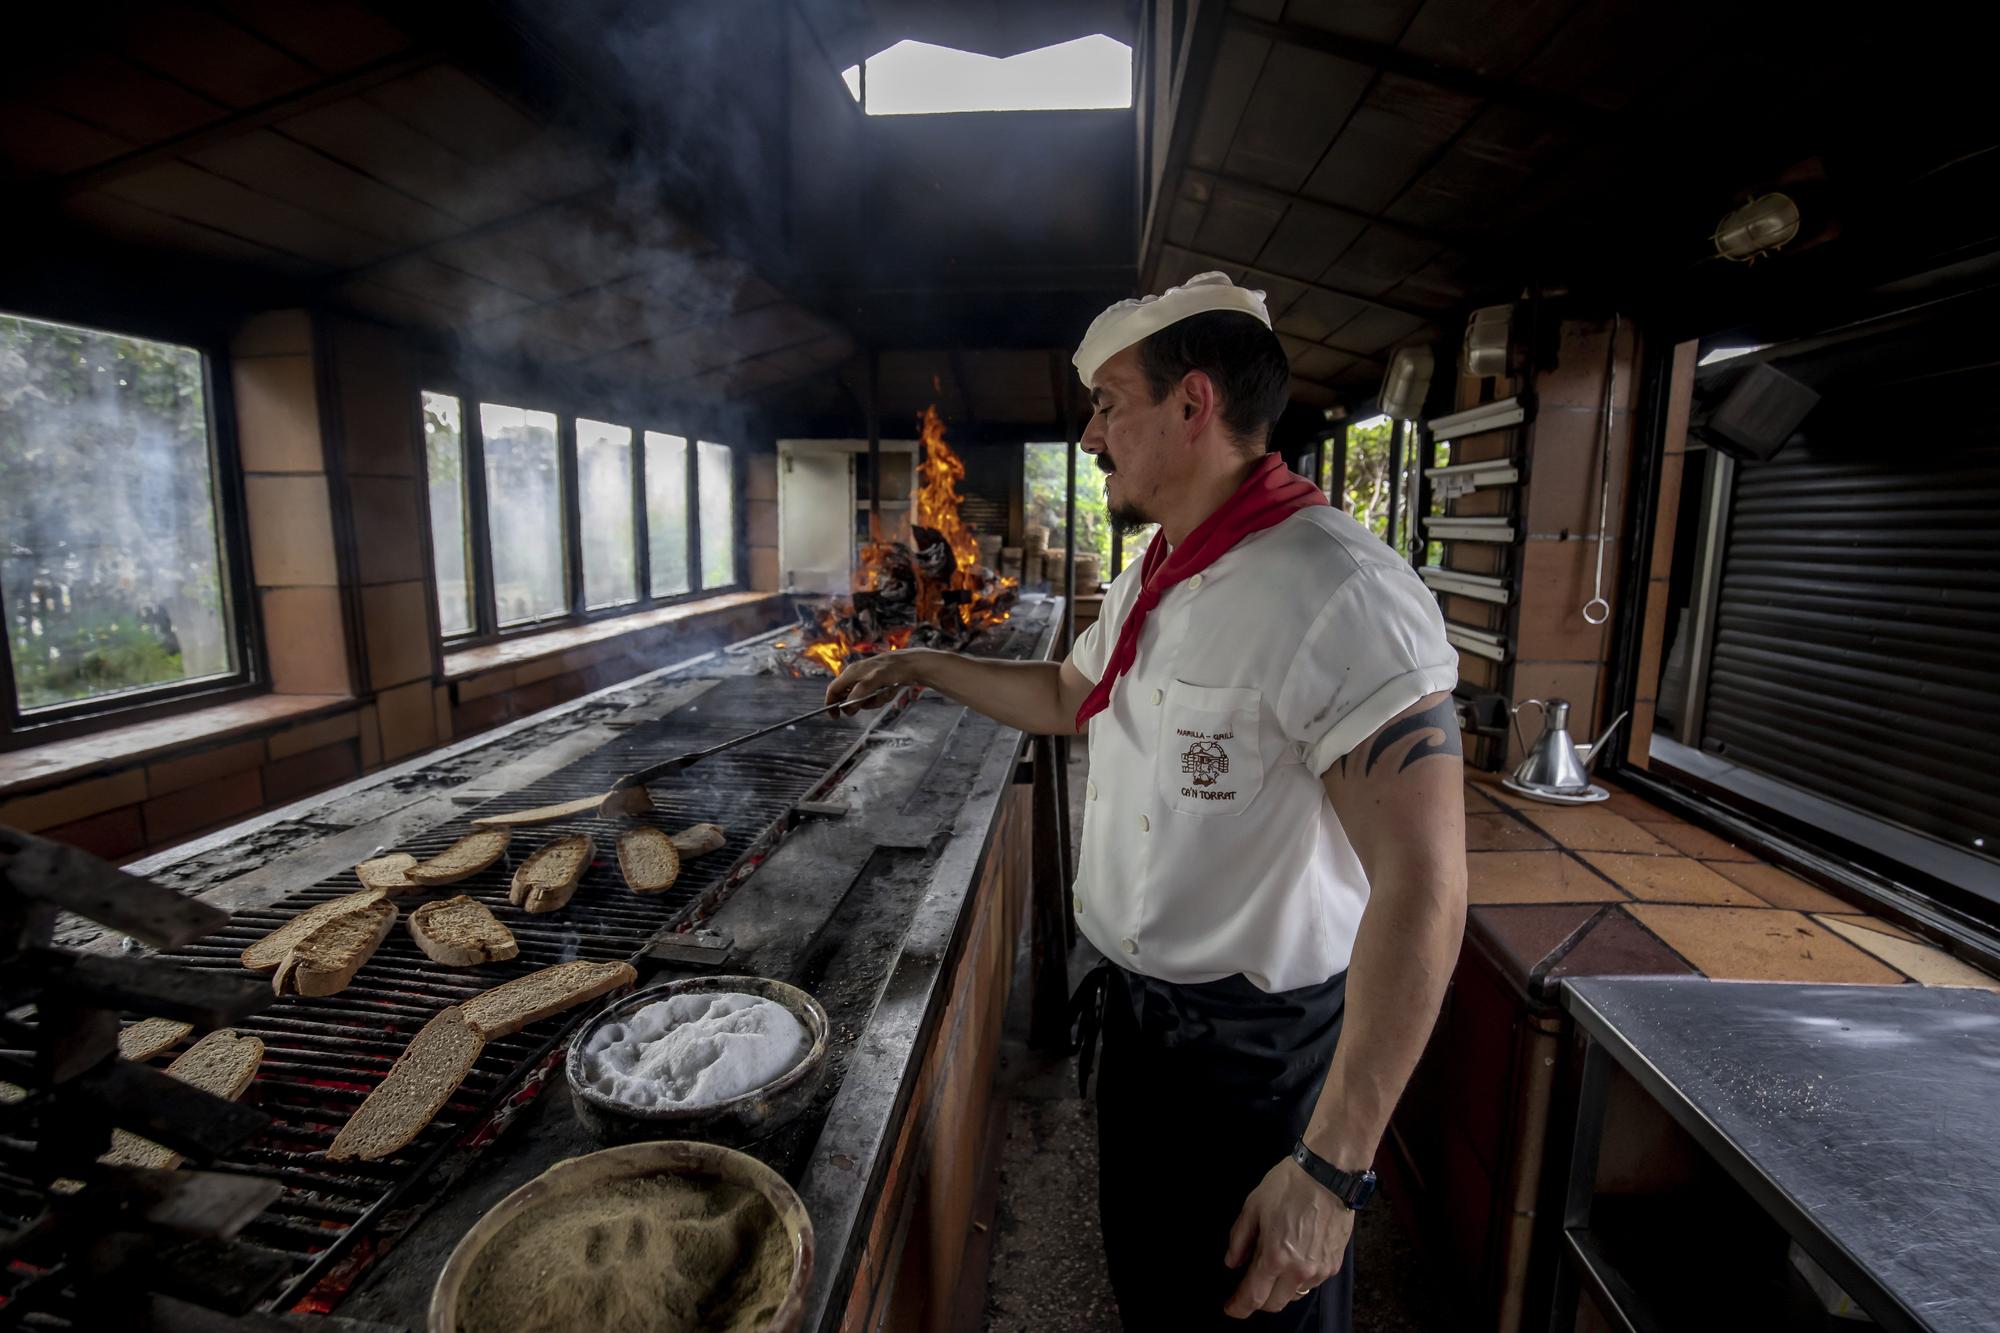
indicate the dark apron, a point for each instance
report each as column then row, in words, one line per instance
column 1201, row 1090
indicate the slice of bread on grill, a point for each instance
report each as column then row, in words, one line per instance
column 388, row 873
column 461, row 932
column 222, row 1063
column 325, row 960
column 510, row 1007
column 464, row 858
column 149, row 1036
column 419, row 1084
column 270, row 951
column 699, row 840
column 648, row 859
column 546, row 881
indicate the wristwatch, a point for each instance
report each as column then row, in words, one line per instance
column 1353, row 1188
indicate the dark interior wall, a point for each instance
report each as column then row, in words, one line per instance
column 827, row 129
column 989, row 192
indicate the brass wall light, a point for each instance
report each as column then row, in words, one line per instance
column 1761, row 227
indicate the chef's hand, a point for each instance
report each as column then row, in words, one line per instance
column 1297, row 1232
column 875, row 676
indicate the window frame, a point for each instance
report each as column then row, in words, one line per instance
column 22, row 728
column 486, row 628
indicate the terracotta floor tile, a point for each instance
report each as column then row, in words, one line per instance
column 1931, row 966
column 1590, row 829
column 1693, row 841
column 1635, row 808
column 1874, row 923
column 1618, row 946
column 1522, row 936
column 1761, row 944
column 1779, row 889
column 1479, row 801
column 1489, row 783
column 1534, row 877
column 1502, row 833
column 1670, row 879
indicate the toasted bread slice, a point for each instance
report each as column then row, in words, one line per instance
column 466, row 857
column 149, row 1036
column 699, row 840
column 420, row 1082
column 648, row 859
column 270, row 951
column 388, row 873
column 460, row 932
column 222, row 1063
column 324, row 961
column 545, row 881
column 627, row 801
column 512, row 1006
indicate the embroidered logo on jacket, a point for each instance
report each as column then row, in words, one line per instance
column 1205, row 761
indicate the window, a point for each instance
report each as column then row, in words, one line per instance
column 114, row 577
column 524, row 508
column 667, row 512
column 444, row 465
column 1047, row 482
column 538, row 518
column 917, row 78
column 604, row 482
column 715, row 484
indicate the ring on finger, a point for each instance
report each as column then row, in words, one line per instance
column 1303, row 1291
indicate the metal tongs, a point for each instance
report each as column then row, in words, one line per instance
column 681, row 761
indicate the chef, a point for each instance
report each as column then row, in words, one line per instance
column 1273, row 857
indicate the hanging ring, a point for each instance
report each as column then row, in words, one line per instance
column 1603, row 611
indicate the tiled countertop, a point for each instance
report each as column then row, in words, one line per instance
column 1624, row 887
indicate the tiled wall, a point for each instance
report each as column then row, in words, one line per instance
column 335, row 493
column 1665, row 520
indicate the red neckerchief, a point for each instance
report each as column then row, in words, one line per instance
column 1269, row 495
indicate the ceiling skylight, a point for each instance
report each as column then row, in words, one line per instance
column 916, row 78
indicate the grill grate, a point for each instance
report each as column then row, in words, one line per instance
column 323, row 1055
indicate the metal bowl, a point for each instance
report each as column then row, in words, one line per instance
column 739, row 1120
column 636, row 1161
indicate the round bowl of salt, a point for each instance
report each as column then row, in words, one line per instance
column 726, row 1059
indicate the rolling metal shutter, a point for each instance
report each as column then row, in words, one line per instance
column 1857, row 650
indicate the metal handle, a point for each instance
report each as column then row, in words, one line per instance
column 1604, row 484
column 1514, row 716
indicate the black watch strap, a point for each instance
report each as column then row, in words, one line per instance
column 1353, row 1188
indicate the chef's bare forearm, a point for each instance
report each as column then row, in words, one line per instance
column 1400, row 795
column 1404, row 952
column 1040, row 698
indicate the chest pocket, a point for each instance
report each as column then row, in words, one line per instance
column 1209, row 763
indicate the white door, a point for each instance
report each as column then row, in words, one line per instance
column 815, row 517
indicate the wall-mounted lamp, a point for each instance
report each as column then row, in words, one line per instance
column 1487, row 335
column 1406, row 383
column 1761, row 227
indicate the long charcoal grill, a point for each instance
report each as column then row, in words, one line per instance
column 323, row 1055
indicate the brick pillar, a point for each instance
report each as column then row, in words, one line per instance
column 760, row 486
column 287, row 493
column 1556, row 652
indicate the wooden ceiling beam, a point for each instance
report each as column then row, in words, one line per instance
column 238, row 123
column 1202, row 257
column 1444, row 240
column 1389, row 60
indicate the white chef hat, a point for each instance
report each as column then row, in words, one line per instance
column 1129, row 322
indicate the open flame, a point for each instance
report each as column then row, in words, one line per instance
column 934, row 591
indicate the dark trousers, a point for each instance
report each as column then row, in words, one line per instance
column 1201, row 1090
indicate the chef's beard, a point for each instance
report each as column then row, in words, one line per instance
column 1125, row 516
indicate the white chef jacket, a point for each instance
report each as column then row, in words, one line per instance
column 1209, row 845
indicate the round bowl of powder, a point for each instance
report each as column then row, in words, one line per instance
column 727, row 1059
column 669, row 1237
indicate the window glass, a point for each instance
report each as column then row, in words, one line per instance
column 604, row 491
column 524, row 513
column 918, row 78
column 111, row 565
column 1047, row 481
column 444, row 464
column 667, row 512
column 715, row 484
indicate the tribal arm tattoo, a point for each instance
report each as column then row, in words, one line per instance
column 1439, row 718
